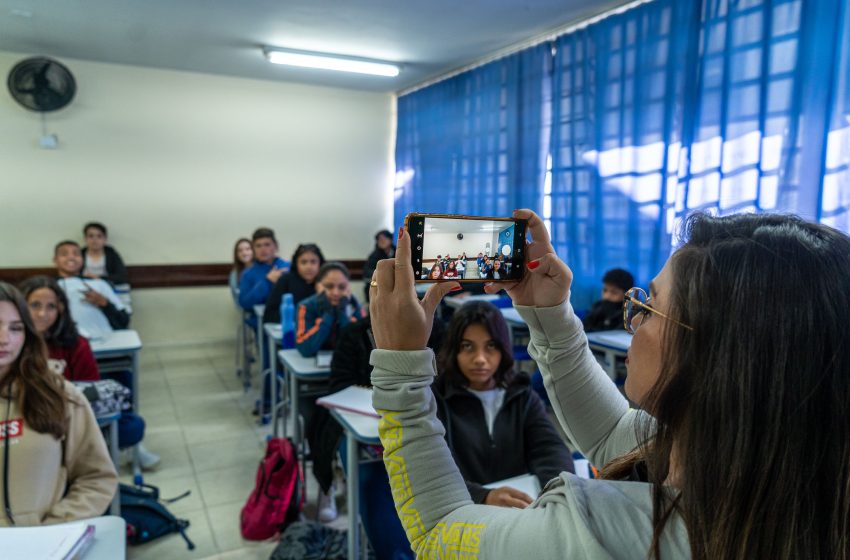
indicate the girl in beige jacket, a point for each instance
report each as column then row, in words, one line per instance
column 53, row 460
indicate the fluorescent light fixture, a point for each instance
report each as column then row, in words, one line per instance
column 328, row 62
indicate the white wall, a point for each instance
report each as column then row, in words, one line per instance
column 472, row 243
column 179, row 165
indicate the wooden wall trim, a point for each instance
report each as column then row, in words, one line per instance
column 167, row 275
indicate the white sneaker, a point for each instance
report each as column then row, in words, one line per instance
column 148, row 460
column 327, row 506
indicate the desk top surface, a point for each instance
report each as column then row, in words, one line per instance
column 110, row 535
column 274, row 330
column 460, row 301
column 364, row 428
column 615, row 340
column 511, row 315
column 126, row 340
column 301, row 366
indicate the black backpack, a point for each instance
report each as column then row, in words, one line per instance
column 146, row 516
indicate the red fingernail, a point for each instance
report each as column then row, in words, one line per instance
column 456, row 289
column 400, row 232
column 533, row 264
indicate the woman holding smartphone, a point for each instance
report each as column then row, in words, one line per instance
column 741, row 445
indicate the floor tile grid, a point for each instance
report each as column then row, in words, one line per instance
column 189, row 393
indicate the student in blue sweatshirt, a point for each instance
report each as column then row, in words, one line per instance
column 257, row 281
column 322, row 316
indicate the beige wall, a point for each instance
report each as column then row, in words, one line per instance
column 179, row 165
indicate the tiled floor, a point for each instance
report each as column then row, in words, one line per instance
column 199, row 420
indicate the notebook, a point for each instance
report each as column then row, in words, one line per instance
column 353, row 399
column 527, row 483
column 68, row 541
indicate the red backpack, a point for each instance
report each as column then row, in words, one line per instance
column 278, row 495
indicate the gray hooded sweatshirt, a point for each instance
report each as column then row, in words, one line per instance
column 573, row 517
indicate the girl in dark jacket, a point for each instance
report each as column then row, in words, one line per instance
column 496, row 426
column 384, row 249
column 300, row 281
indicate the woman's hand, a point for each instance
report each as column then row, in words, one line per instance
column 506, row 496
column 547, row 278
column 399, row 320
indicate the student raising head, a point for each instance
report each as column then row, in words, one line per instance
column 102, row 260
column 321, row 316
column 496, row 425
column 71, row 356
column 300, row 281
column 92, row 302
column 257, row 281
column 740, row 360
column 55, row 466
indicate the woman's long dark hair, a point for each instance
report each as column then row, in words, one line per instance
column 756, row 399
column 306, row 248
column 476, row 313
column 63, row 332
column 40, row 393
column 238, row 265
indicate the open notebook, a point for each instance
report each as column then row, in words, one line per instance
column 68, row 541
column 353, row 399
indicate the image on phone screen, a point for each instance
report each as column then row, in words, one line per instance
column 466, row 248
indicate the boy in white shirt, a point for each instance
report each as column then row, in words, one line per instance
column 94, row 306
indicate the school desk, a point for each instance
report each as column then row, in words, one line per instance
column 614, row 344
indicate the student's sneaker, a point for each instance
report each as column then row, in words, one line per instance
column 148, row 460
column 327, row 505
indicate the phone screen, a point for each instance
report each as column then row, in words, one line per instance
column 466, row 248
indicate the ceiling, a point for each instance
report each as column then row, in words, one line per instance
column 428, row 37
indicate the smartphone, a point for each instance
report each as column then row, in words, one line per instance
column 494, row 248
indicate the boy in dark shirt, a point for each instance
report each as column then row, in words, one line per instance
column 607, row 313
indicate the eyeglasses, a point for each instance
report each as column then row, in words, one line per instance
column 636, row 307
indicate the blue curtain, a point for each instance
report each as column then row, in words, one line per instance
column 617, row 111
column 672, row 107
column 475, row 143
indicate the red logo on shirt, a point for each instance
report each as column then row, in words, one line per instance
column 12, row 428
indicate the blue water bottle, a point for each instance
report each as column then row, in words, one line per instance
column 287, row 321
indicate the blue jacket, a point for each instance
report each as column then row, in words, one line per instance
column 254, row 287
column 317, row 323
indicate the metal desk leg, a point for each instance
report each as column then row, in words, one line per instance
column 261, row 335
column 271, row 347
column 353, row 489
column 136, row 463
column 293, row 408
column 611, row 364
column 113, row 451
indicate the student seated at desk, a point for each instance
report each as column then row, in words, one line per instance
column 94, row 305
column 102, row 260
column 496, row 425
column 384, row 249
column 257, row 281
column 607, row 313
column 300, row 281
column 71, row 356
column 53, row 459
column 350, row 366
column 451, row 271
column 243, row 258
column 320, row 317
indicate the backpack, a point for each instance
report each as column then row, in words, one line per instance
column 308, row 540
column 278, row 494
column 148, row 519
